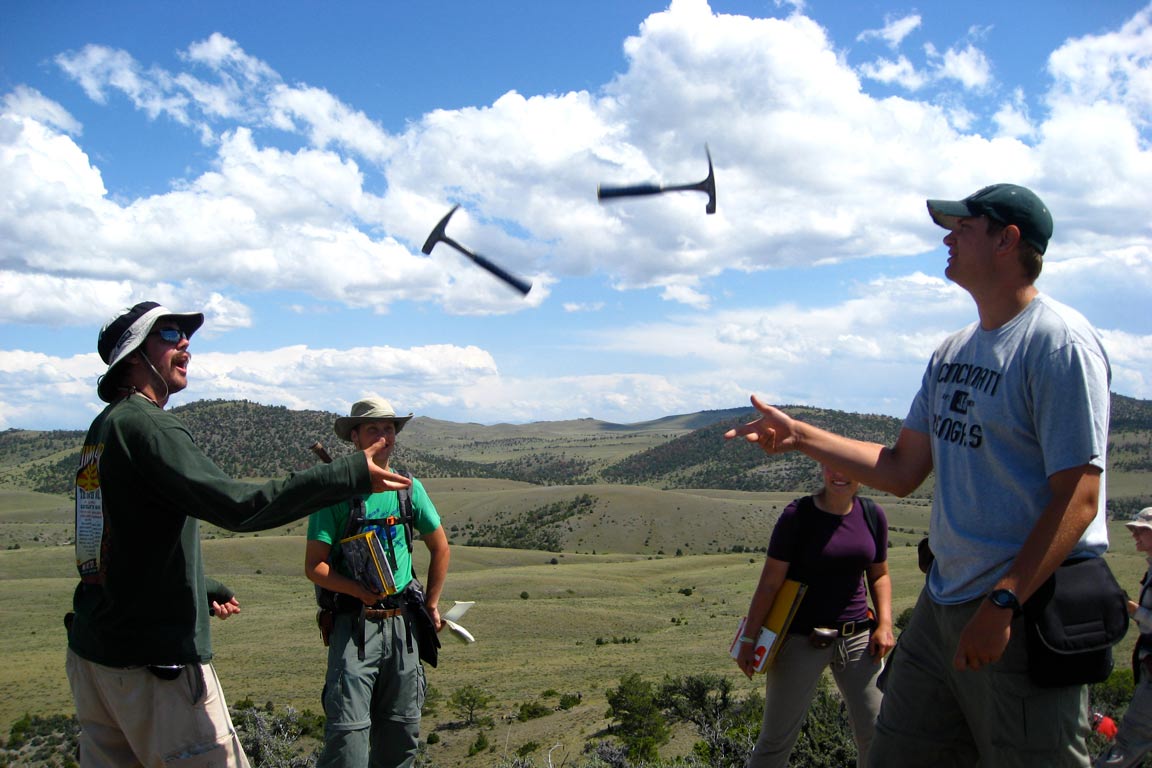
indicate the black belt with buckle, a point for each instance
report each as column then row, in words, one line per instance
column 822, row 637
column 849, row 628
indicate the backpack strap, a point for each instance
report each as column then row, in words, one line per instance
column 872, row 518
column 326, row 598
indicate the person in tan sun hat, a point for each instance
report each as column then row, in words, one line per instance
column 139, row 658
column 1134, row 737
column 375, row 684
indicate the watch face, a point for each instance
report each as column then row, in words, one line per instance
column 1003, row 598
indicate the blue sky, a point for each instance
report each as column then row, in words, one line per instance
column 279, row 165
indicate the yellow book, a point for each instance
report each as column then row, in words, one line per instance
column 366, row 561
column 772, row 635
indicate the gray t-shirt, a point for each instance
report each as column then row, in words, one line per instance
column 1005, row 410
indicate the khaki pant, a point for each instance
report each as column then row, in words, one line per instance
column 372, row 707
column 791, row 685
column 935, row 716
column 130, row 717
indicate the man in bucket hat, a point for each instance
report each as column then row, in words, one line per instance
column 1012, row 417
column 139, row 646
column 1134, row 737
column 374, row 687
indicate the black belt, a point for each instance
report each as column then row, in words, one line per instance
column 844, row 629
column 849, row 628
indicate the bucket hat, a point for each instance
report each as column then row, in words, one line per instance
column 368, row 409
column 1143, row 519
column 124, row 333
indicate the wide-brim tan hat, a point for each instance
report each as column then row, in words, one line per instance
column 368, row 409
column 1143, row 519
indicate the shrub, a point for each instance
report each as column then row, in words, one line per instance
column 270, row 740
column 479, row 745
column 569, row 700
column 530, row 710
column 468, row 702
column 640, row 724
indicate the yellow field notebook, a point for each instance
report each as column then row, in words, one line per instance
column 367, row 562
column 775, row 630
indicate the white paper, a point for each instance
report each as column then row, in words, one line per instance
column 453, row 615
column 456, row 612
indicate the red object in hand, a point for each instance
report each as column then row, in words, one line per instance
column 1105, row 726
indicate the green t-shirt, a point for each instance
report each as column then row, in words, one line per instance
column 329, row 524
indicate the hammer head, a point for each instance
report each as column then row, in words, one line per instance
column 709, row 184
column 438, row 232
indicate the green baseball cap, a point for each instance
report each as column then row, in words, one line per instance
column 1005, row 203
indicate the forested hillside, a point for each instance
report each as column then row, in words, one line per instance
column 700, row 459
column 687, row 451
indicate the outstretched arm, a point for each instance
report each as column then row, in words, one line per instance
column 899, row 469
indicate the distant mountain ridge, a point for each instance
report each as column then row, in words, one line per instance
column 683, row 451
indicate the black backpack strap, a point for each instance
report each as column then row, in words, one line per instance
column 326, row 598
column 872, row 518
column 407, row 511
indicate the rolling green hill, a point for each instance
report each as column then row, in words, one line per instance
column 582, row 531
column 685, row 451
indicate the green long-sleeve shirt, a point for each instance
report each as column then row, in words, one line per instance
column 141, row 490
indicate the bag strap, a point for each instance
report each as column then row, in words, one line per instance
column 872, row 518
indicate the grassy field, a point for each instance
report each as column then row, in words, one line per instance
column 678, row 613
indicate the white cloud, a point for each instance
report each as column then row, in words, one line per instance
column 575, row 306
column 895, row 29
column 1113, row 67
column 899, row 72
column 1012, row 118
column 305, row 193
column 28, row 102
column 968, row 65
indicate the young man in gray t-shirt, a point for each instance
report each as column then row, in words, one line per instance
column 1012, row 415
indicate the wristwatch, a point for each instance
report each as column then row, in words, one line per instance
column 1005, row 598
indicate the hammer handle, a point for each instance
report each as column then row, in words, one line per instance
column 518, row 283
column 632, row 191
column 321, row 452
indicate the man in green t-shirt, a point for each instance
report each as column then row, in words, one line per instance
column 374, row 687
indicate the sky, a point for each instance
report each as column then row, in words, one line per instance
column 278, row 166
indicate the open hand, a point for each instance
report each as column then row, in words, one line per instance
column 772, row 431
column 226, row 609
column 383, row 479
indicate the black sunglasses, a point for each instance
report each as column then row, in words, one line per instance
column 171, row 335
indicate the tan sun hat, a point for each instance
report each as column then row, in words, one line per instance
column 368, row 409
column 1143, row 519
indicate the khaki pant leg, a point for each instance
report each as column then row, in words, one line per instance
column 790, row 685
column 855, row 672
column 130, row 717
